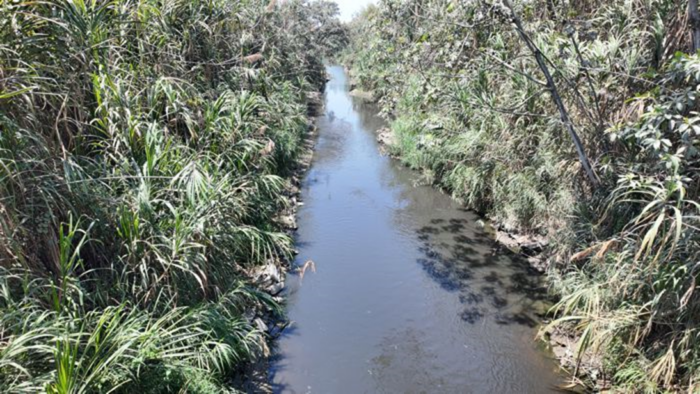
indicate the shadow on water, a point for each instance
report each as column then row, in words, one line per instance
column 490, row 280
column 280, row 365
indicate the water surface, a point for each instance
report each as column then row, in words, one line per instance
column 409, row 294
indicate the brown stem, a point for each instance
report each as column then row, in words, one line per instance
column 694, row 17
column 594, row 94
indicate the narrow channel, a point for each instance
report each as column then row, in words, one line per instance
column 410, row 295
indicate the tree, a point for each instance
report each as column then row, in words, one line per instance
column 551, row 86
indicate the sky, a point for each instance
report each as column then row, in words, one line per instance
column 348, row 8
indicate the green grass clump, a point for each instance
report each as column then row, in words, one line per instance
column 144, row 150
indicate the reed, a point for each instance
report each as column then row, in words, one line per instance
column 143, row 157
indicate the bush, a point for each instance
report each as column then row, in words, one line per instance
column 142, row 160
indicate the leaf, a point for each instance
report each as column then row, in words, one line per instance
column 650, row 236
column 605, row 247
column 254, row 58
column 688, row 293
column 583, row 254
column 646, row 209
column 678, row 224
column 8, row 95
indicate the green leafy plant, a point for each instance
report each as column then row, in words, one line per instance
column 144, row 153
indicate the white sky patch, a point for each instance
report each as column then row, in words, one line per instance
column 348, row 8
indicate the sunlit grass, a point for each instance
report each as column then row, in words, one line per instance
column 142, row 163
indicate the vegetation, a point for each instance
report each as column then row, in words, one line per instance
column 144, row 147
column 471, row 90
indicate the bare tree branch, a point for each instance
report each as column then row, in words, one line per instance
column 563, row 114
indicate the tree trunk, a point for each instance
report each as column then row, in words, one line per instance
column 694, row 17
column 563, row 114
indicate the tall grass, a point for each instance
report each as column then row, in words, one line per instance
column 467, row 105
column 143, row 152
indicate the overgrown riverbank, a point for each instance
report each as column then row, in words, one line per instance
column 471, row 98
column 145, row 159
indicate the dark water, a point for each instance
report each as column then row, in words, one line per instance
column 409, row 294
